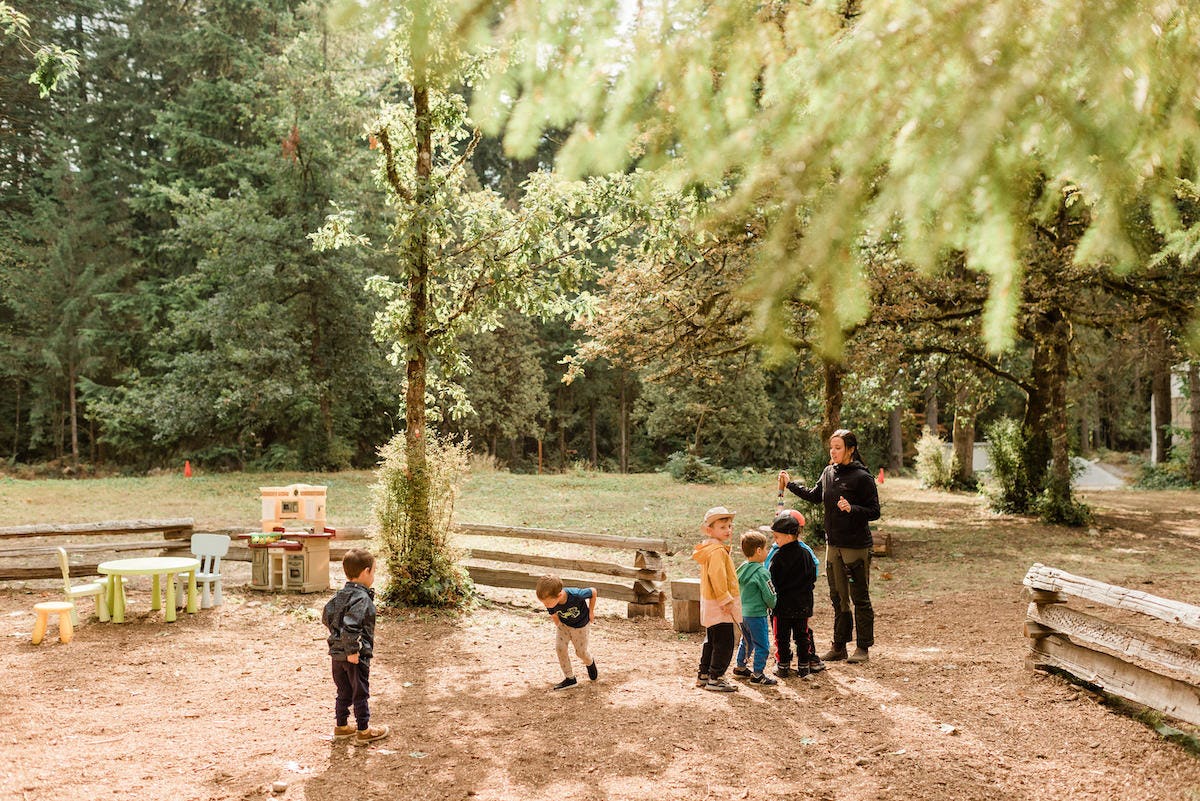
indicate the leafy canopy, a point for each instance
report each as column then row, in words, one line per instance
column 945, row 122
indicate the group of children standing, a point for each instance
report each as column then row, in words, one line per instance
column 773, row 589
column 772, row 592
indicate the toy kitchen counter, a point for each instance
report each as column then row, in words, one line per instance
column 295, row 560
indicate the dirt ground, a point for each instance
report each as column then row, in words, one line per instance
column 225, row 703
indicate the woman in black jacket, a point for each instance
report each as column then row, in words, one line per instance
column 851, row 501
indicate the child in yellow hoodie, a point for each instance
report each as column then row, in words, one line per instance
column 720, row 604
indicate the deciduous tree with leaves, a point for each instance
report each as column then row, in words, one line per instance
column 463, row 256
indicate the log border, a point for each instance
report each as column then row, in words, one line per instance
column 1054, row 627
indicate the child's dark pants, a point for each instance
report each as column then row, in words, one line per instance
column 787, row 631
column 717, row 651
column 353, row 682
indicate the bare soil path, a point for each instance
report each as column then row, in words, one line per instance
column 222, row 704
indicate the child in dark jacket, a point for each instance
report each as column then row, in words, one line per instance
column 350, row 618
column 794, row 575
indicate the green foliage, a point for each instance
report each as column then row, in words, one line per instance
column 722, row 417
column 421, row 566
column 1062, row 509
column 935, row 467
column 940, row 121
column 1008, row 490
column 692, row 469
column 1171, row 474
column 504, row 383
column 52, row 63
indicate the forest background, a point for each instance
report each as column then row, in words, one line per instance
column 161, row 299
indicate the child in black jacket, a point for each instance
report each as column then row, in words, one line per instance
column 794, row 576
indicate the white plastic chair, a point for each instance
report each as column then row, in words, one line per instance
column 209, row 548
column 70, row 593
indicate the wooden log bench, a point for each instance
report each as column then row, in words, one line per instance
column 1148, row 669
column 176, row 536
column 685, row 604
column 644, row 596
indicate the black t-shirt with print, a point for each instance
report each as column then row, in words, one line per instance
column 573, row 612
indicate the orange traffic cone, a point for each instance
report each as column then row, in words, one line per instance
column 187, row 468
column 879, row 478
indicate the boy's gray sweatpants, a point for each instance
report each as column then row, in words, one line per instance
column 578, row 638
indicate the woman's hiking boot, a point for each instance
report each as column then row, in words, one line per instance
column 835, row 654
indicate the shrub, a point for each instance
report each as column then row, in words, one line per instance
column 421, row 566
column 1168, row 475
column 1062, row 509
column 1008, row 490
column 693, row 469
column 934, row 467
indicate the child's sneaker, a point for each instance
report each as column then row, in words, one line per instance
column 593, row 673
column 565, row 684
column 372, row 734
column 763, row 679
column 816, row 666
column 719, row 685
column 783, row 671
column 343, row 732
column 742, row 672
column 701, row 679
column 801, row 671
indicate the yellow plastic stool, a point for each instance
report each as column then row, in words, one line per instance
column 64, row 609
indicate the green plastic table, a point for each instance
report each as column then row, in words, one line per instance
column 154, row 566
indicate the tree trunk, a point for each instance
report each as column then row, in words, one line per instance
column 832, row 419
column 963, row 435
column 16, row 428
column 1035, row 426
column 73, row 402
column 1047, row 452
column 624, row 426
column 931, row 405
column 896, row 429
column 696, row 434
column 416, row 455
column 563, row 457
column 1194, row 419
column 1060, row 452
column 1160, row 388
column 592, row 426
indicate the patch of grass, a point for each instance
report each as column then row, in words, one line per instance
column 943, row 542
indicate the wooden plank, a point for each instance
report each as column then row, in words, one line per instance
column 687, row 589
column 92, row 547
column 648, row 560
column 1178, row 699
column 575, row 537
column 579, row 565
column 517, row 579
column 1049, row 579
column 105, row 527
column 1081, row 626
column 685, row 615
column 1043, row 597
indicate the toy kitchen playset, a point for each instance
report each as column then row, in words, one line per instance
column 292, row 552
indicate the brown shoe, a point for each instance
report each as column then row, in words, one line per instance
column 835, row 654
column 372, row 734
column 859, row 656
column 343, row 732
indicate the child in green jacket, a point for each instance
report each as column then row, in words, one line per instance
column 758, row 596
